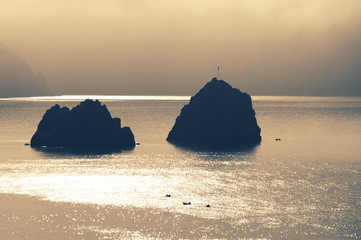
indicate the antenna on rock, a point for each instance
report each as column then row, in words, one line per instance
column 218, row 72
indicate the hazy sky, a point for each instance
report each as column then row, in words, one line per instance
column 264, row 47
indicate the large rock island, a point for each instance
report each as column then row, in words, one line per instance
column 218, row 115
column 86, row 126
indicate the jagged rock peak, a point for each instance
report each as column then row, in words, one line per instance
column 88, row 125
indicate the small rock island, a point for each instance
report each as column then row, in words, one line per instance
column 218, row 115
column 89, row 125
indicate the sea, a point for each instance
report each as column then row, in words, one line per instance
column 305, row 186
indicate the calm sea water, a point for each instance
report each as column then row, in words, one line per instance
column 308, row 184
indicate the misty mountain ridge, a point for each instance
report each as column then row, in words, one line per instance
column 16, row 77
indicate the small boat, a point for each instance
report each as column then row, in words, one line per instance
column 187, row 203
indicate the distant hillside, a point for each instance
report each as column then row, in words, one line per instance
column 16, row 77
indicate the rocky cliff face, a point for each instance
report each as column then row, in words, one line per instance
column 88, row 125
column 217, row 115
column 17, row 78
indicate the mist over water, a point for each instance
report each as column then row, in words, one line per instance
column 306, row 186
column 273, row 47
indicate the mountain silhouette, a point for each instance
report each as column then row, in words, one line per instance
column 16, row 77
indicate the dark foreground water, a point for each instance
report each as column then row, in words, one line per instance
column 307, row 186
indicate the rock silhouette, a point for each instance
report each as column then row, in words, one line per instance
column 87, row 126
column 218, row 115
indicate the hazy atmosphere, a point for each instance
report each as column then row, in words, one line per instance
column 113, row 125
column 264, row 47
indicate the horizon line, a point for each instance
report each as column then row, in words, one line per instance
column 172, row 98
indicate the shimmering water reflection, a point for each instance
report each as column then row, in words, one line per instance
column 307, row 184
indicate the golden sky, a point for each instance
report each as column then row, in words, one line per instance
column 302, row 47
